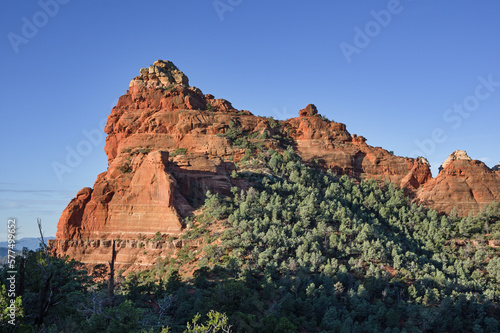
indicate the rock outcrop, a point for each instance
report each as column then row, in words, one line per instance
column 168, row 144
column 462, row 183
column 161, row 132
column 309, row 111
column 333, row 147
column 455, row 156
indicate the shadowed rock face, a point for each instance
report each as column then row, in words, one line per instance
column 167, row 145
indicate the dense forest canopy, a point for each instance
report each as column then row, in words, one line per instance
column 303, row 250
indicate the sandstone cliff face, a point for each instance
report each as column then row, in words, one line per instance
column 125, row 205
column 159, row 116
column 462, row 183
column 168, row 144
column 334, row 148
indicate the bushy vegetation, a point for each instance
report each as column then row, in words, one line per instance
column 240, row 139
column 302, row 251
column 178, row 151
column 255, row 141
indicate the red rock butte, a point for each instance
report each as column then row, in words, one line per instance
column 167, row 145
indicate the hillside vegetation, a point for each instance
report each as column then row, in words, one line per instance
column 303, row 250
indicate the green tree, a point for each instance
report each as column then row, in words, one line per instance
column 216, row 322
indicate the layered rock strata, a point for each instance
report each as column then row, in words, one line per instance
column 462, row 183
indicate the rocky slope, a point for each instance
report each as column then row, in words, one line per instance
column 462, row 183
column 168, row 144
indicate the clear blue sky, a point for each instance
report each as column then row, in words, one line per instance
column 395, row 82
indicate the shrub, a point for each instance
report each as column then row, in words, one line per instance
column 179, row 151
column 126, row 168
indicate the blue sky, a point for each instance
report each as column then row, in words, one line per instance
column 418, row 77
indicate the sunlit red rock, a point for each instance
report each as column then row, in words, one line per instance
column 166, row 148
column 462, row 183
